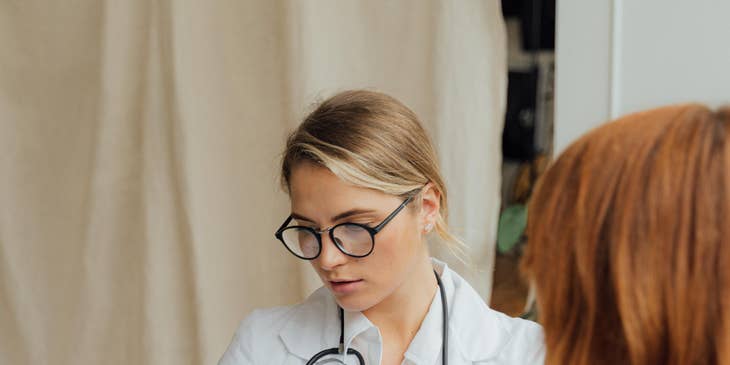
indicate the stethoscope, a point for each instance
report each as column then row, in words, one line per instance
column 340, row 349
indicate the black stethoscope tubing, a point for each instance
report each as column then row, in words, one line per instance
column 361, row 360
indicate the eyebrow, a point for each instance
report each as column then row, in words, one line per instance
column 341, row 216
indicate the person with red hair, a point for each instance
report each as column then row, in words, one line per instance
column 629, row 242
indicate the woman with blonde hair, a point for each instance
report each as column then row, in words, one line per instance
column 365, row 191
column 629, row 242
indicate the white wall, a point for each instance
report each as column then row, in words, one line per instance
column 582, row 68
column 619, row 56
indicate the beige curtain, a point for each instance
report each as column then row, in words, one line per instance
column 139, row 143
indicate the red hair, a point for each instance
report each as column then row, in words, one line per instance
column 629, row 242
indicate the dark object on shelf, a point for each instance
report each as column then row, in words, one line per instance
column 537, row 18
column 511, row 8
column 538, row 25
column 518, row 137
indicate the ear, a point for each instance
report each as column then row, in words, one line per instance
column 430, row 207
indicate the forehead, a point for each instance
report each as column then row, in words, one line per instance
column 318, row 193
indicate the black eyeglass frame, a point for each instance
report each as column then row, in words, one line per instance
column 372, row 230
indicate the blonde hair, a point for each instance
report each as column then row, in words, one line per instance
column 370, row 140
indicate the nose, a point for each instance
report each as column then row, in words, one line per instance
column 331, row 256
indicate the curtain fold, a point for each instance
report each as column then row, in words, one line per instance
column 139, row 150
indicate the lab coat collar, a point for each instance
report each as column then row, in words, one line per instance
column 313, row 327
column 425, row 347
column 475, row 331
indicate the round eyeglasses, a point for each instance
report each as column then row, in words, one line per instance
column 353, row 239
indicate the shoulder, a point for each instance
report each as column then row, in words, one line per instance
column 259, row 330
column 263, row 323
column 524, row 343
column 488, row 335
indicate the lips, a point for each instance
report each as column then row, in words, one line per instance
column 345, row 286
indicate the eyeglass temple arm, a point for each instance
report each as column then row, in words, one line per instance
column 286, row 223
column 392, row 215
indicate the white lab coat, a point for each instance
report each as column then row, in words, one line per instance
column 477, row 334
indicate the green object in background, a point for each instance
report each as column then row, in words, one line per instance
column 512, row 224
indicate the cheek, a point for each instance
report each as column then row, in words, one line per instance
column 394, row 253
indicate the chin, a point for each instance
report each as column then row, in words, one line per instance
column 355, row 303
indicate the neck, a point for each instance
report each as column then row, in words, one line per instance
column 399, row 316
